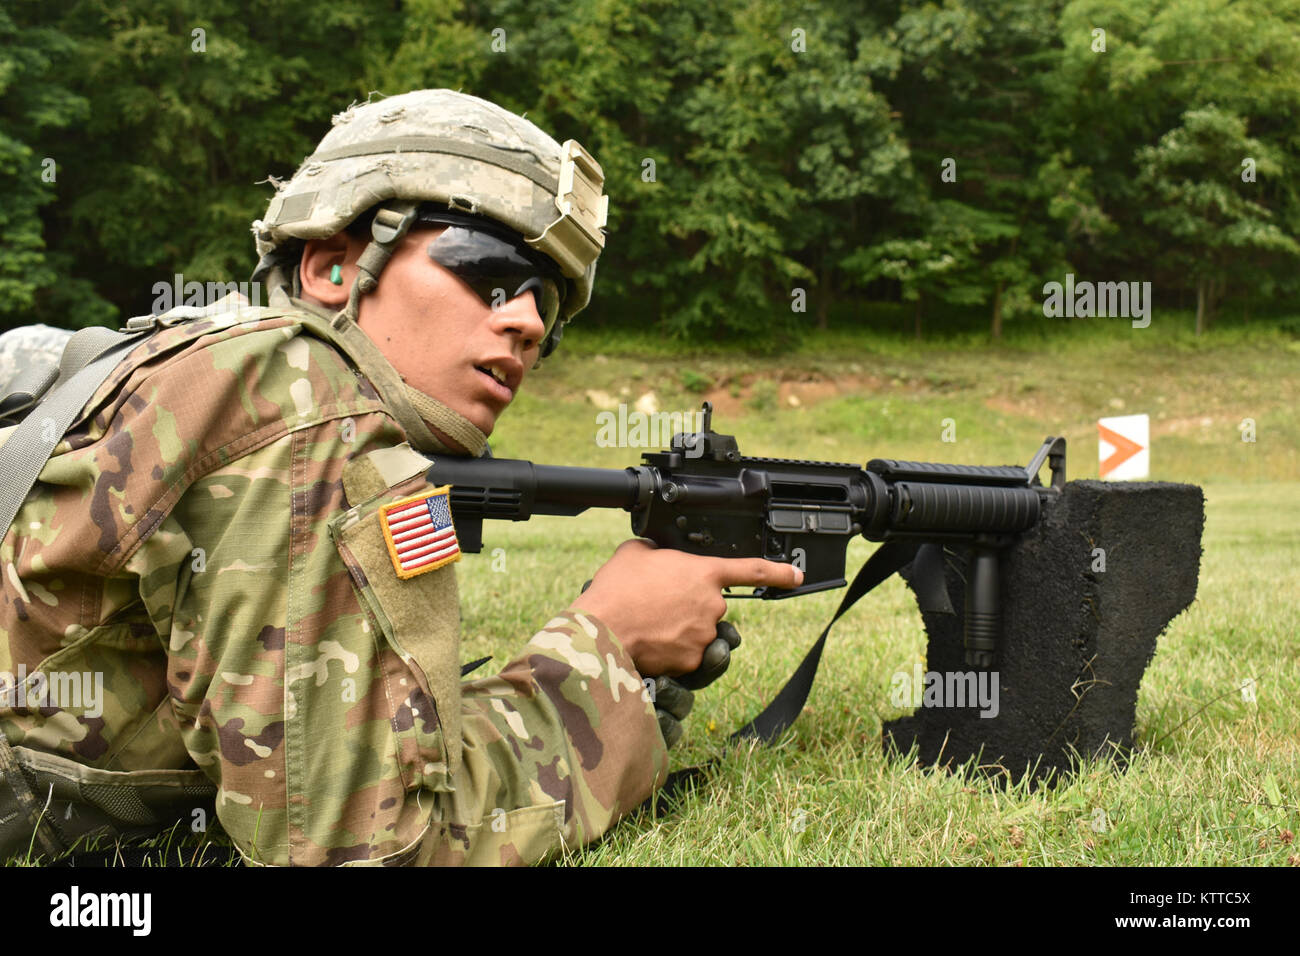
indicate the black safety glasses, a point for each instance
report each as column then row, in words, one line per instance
column 497, row 268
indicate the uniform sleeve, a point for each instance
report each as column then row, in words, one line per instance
column 565, row 735
column 321, row 692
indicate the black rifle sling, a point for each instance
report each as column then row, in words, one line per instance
column 788, row 703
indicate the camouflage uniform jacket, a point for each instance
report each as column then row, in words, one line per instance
column 207, row 538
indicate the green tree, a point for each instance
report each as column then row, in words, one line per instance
column 779, row 150
column 33, row 101
column 1204, row 206
column 972, row 82
column 1109, row 107
column 189, row 104
column 941, row 264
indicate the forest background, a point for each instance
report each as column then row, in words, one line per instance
column 771, row 166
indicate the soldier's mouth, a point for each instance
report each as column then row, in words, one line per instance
column 505, row 371
column 498, row 384
column 500, row 377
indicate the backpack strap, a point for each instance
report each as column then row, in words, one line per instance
column 29, row 364
column 88, row 359
column 25, row 391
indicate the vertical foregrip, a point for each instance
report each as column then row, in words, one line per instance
column 983, row 613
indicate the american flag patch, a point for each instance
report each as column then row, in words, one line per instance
column 420, row 533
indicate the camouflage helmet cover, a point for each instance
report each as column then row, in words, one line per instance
column 462, row 153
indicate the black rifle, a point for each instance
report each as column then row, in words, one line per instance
column 702, row 496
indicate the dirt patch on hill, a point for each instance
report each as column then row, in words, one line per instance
column 1032, row 405
column 800, row 389
column 1196, row 425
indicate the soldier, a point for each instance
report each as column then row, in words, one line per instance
column 236, row 539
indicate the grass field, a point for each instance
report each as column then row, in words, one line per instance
column 1215, row 778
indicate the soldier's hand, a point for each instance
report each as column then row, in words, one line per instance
column 673, row 698
column 716, row 660
column 672, row 703
column 664, row 605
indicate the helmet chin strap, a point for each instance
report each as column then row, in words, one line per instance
column 447, row 422
column 417, row 412
column 391, row 223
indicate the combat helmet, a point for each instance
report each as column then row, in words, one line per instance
column 452, row 151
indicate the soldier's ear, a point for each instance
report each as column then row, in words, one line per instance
column 327, row 269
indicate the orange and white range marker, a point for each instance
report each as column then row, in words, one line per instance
column 1123, row 446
